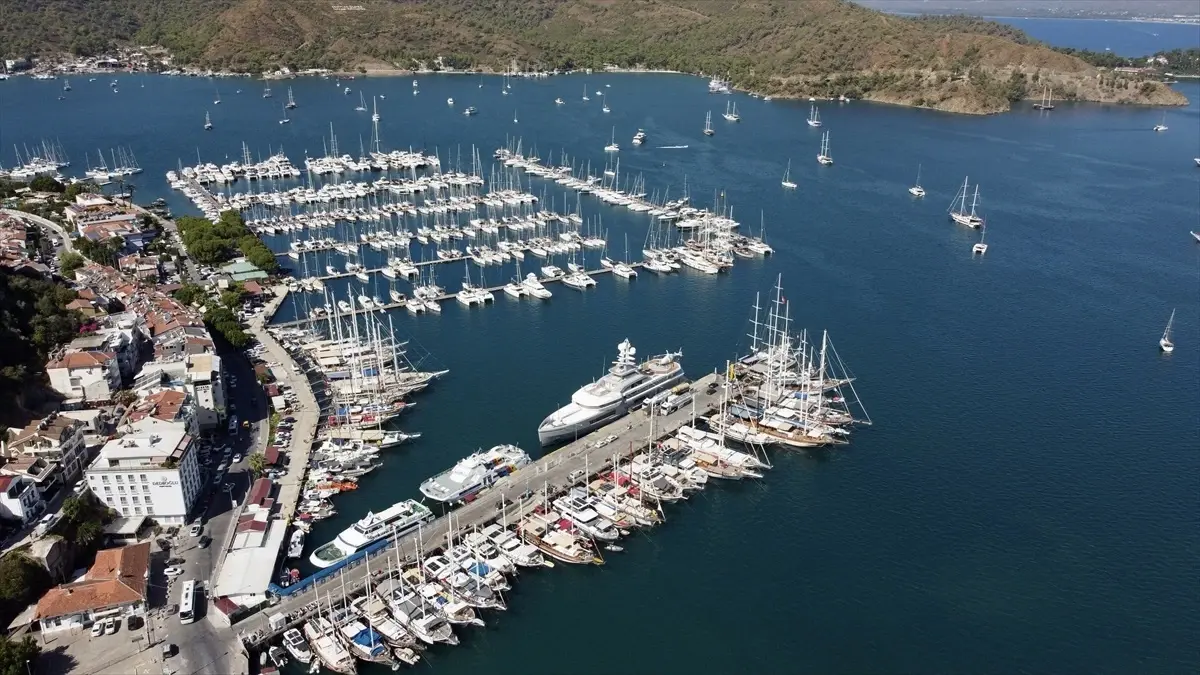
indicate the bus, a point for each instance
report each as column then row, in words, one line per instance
column 187, row 603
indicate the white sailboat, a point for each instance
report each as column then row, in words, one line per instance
column 612, row 146
column 1161, row 126
column 585, row 96
column 285, row 119
column 1164, row 342
column 787, row 177
column 207, row 121
column 824, row 157
column 604, row 107
column 362, row 103
column 960, row 214
column 1047, row 100
column 731, row 112
column 267, row 90
column 559, row 101
column 916, row 190
column 708, row 130
column 980, row 248
column 291, row 101
column 217, row 100
column 814, row 117
column 514, row 117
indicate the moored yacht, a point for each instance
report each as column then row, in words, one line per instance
column 403, row 517
column 474, row 473
column 626, row 384
column 296, row 645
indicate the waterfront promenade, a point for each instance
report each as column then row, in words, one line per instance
column 550, row 473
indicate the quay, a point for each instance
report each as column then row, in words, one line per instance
column 551, row 472
column 441, row 298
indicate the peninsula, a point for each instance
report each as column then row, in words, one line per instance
column 775, row 47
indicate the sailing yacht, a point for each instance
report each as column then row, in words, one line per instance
column 559, row 101
column 814, row 117
column 362, row 103
column 708, row 130
column 787, row 177
column 612, row 146
column 1047, row 100
column 626, row 384
column 207, row 121
column 267, row 90
column 1161, row 126
column 217, row 100
column 604, row 107
column 585, row 96
column 1164, row 342
column 285, row 119
column 824, row 157
column 291, row 101
column 731, row 112
column 916, row 190
column 980, row 248
column 960, row 214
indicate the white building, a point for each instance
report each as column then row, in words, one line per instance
column 197, row 374
column 114, row 587
column 20, row 499
column 57, row 439
column 85, row 376
column 153, row 473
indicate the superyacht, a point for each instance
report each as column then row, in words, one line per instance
column 626, row 384
column 474, row 473
column 403, row 516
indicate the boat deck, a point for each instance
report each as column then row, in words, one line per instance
column 550, row 472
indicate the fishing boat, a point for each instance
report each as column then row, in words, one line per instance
column 916, row 190
column 401, row 517
column 1164, row 342
column 474, row 473
column 959, row 213
column 731, row 112
column 207, row 122
column 1047, row 102
column 823, row 157
column 814, row 116
column 297, row 646
column 708, row 130
column 787, row 177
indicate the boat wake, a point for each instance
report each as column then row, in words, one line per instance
column 672, row 147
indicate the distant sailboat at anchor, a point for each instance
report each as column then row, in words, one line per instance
column 1165, row 343
column 787, row 177
column 916, row 190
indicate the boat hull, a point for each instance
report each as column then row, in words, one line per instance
column 551, row 435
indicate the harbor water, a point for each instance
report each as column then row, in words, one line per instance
column 1026, row 499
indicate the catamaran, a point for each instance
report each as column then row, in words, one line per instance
column 916, row 190
column 1165, row 343
column 980, row 248
column 787, row 177
column 824, row 157
column 959, row 213
column 612, row 145
column 814, row 117
column 708, row 130
column 626, row 384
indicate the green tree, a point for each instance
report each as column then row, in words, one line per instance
column 21, row 579
column 89, row 533
column 75, row 189
column 258, row 464
column 73, row 509
column 16, row 655
column 46, row 184
column 190, row 294
column 69, row 261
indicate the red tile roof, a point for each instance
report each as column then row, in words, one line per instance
column 118, row 577
column 82, row 360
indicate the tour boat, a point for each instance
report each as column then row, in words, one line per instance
column 824, row 157
column 708, row 130
column 731, row 112
column 960, row 214
column 401, row 517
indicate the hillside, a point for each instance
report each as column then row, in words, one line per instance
column 778, row 47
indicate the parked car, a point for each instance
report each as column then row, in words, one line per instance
column 173, row 571
column 575, row 475
column 195, row 530
column 98, row 629
column 110, row 626
column 204, row 541
column 221, row 467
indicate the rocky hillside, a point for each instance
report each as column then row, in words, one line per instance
column 780, row 47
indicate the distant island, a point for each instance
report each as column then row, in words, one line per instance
column 782, row 48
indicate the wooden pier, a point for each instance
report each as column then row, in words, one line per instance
column 441, row 298
column 550, row 473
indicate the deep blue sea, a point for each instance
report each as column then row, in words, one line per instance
column 1127, row 38
column 1027, row 500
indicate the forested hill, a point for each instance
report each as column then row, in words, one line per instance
column 781, row 47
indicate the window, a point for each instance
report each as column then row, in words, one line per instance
column 120, row 478
column 137, row 500
column 121, row 489
column 124, row 511
column 104, row 478
column 130, row 478
column 107, row 488
column 149, row 510
column 145, row 488
column 124, row 501
column 137, row 510
column 142, row 478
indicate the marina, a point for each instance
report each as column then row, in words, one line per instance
column 931, row 512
